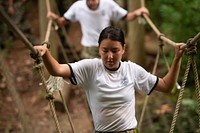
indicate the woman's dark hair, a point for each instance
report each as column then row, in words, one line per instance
column 112, row 33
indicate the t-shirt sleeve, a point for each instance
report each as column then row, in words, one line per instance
column 144, row 80
column 83, row 71
column 118, row 13
column 70, row 14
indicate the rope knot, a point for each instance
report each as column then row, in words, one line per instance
column 161, row 44
column 159, row 36
column 38, row 66
column 191, row 48
column 47, row 44
column 36, row 55
column 49, row 97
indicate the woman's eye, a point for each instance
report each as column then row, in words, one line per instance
column 115, row 50
column 112, row 50
column 105, row 51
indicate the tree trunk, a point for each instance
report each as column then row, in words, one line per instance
column 136, row 36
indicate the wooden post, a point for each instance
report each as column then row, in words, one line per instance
column 135, row 37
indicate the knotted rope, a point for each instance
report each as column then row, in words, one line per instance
column 190, row 61
column 57, row 80
column 147, row 97
column 38, row 65
column 28, row 44
column 191, row 51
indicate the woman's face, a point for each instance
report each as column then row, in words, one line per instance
column 93, row 4
column 111, row 53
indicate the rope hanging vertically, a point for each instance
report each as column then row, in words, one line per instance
column 147, row 97
column 46, row 40
column 160, row 51
column 190, row 61
column 191, row 43
column 28, row 44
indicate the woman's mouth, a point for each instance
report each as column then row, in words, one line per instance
column 110, row 62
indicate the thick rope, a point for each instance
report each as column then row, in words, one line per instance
column 180, row 96
column 141, row 20
column 67, row 111
column 197, row 87
column 159, row 52
column 66, row 59
column 163, row 38
column 186, row 72
column 195, row 39
column 48, row 31
column 147, row 97
column 193, row 43
column 166, row 40
column 50, row 23
column 39, row 65
column 16, row 30
column 191, row 52
column 164, row 120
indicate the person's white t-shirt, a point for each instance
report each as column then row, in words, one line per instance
column 111, row 94
column 94, row 21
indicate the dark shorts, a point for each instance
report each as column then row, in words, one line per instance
column 90, row 52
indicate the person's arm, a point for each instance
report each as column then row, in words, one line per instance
column 167, row 83
column 61, row 21
column 53, row 67
column 136, row 13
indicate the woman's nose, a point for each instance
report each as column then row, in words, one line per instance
column 110, row 55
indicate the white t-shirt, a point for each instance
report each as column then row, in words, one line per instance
column 111, row 94
column 94, row 21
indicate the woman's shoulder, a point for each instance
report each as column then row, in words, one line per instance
column 130, row 64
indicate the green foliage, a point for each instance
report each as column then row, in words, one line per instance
column 179, row 21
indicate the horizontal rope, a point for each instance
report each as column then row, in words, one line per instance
column 16, row 30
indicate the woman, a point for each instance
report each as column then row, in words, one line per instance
column 110, row 84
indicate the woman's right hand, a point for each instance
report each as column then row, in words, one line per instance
column 41, row 49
